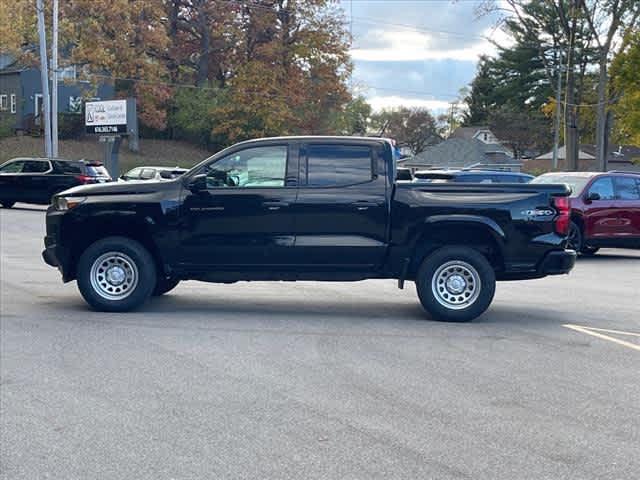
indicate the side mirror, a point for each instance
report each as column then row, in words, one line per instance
column 591, row 196
column 197, row 183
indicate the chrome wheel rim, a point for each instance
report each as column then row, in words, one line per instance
column 456, row 285
column 114, row 276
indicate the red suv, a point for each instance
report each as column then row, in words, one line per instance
column 605, row 209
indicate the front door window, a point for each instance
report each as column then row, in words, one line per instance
column 254, row 167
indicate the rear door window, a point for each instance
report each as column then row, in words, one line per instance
column 627, row 188
column 604, row 188
column 338, row 165
column 36, row 166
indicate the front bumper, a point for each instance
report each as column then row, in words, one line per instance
column 54, row 254
column 557, row 262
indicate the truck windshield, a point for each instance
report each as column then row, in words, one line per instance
column 577, row 183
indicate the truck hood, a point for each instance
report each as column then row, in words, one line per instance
column 118, row 188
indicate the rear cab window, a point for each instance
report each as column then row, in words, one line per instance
column 332, row 165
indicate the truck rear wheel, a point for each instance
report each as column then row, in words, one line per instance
column 116, row 274
column 456, row 284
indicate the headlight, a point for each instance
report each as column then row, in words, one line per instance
column 67, row 203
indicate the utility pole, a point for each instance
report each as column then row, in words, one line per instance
column 556, row 127
column 44, row 76
column 54, row 91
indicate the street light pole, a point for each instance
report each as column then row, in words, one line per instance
column 54, row 91
column 44, row 76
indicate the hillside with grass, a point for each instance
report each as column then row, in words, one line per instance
column 152, row 152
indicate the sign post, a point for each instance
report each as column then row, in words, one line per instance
column 112, row 119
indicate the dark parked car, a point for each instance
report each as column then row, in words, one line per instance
column 307, row 208
column 36, row 180
column 153, row 173
column 470, row 176
column 605, row 209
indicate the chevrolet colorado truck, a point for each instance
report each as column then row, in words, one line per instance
column 307, row 208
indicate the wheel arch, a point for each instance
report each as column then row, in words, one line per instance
column 481, row 233
column 95, row 229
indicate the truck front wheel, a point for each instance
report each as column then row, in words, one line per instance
column 116, row 274
column 455, row 284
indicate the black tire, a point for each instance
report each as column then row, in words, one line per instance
column 164, row 285
column 589, row 251
column 133, row 262
column 575, row 238
column 466, row 268
column 7, row 203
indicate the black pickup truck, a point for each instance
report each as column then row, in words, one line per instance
column 307, row 208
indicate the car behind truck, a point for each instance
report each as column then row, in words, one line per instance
column 307, row 208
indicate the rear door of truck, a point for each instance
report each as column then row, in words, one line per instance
column 342, row 209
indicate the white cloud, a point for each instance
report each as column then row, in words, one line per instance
column 386, row 102
column 402, row 46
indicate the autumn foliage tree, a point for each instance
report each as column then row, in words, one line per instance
column 256, row 67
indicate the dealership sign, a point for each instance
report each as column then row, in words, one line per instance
column 108, row 117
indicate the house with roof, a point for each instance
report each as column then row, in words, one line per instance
column 466, row 147
column 21, row 101
column 619, row 157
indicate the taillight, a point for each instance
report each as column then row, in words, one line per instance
column 563, row 217
column 84, row 178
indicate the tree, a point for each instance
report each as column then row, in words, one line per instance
column 558, row 32
column 414, row 128
column 607, row 19
column 354, row 118
column 519, row 130
column 626, row 85
column 481, row 99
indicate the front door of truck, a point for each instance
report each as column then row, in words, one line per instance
column 341, row 212
column 243, row 218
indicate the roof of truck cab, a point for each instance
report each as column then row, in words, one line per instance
column 331, row 138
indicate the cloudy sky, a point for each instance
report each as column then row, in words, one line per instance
column 417, row 52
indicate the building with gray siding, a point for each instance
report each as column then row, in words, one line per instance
column 21, row 94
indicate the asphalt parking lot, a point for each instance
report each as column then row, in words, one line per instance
column 317, row 380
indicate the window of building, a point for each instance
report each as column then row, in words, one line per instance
column 3, row 103
column 13, row 103
column 67, row 73
column 333, row 165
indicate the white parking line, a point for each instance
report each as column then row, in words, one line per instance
column 595, row 333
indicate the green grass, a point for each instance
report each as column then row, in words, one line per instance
column 152, row 152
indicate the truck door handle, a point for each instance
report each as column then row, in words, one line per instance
column 275, row 205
